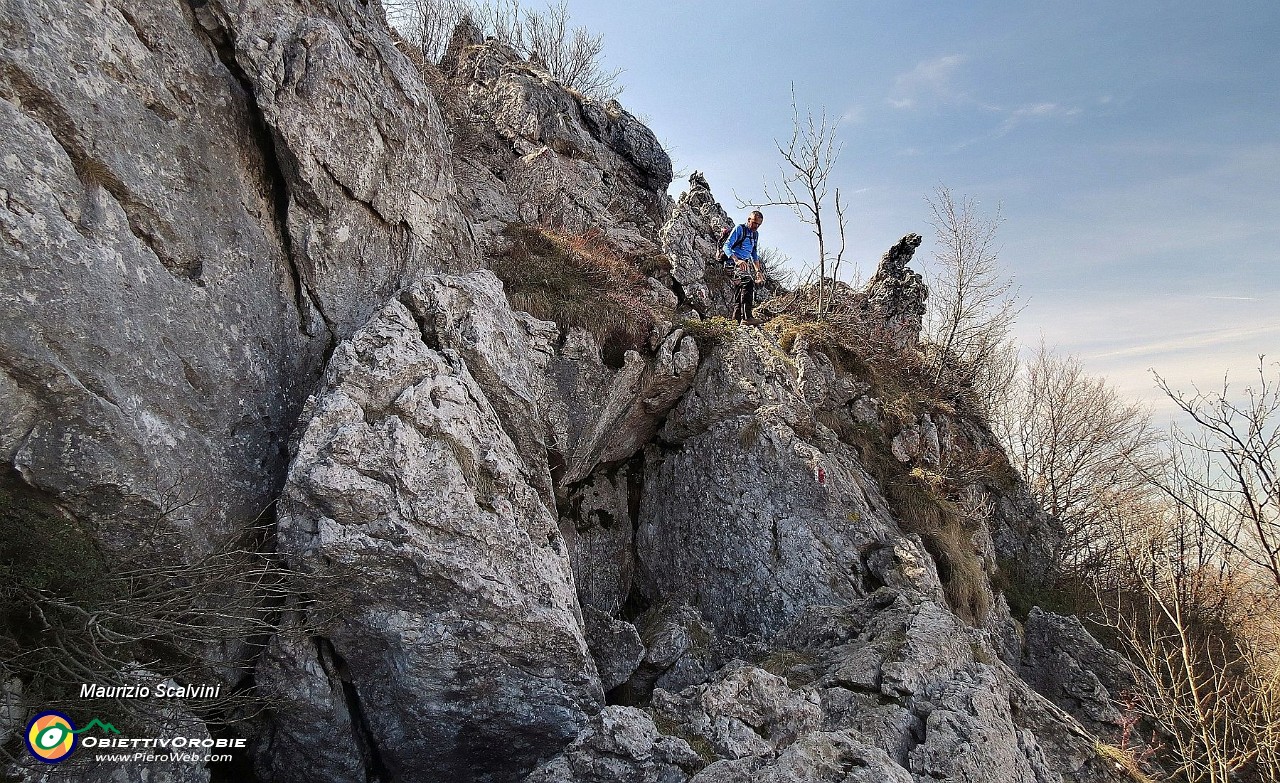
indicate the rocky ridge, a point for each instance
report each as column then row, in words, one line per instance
column 702, row 565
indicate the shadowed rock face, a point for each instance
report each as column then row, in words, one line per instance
column 199, row 202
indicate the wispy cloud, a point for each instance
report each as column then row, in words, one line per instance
column 853, row 115
column 937, row 82
column 1205, row 338
column 1035, row 112
column 930, row 80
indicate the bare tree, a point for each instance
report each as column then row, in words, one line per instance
column 804, row 186
column 1086, row 454
column 973, row 303
column 1196, row 599
column 1205, row 642
column 1229, row 474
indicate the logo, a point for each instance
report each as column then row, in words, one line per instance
column 51, row 736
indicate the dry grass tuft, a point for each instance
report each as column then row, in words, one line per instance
column 578, row 280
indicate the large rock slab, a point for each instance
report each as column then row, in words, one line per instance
column 371, row 201
column 754, row 510
column 458, row 644
column 152, row 344
column 1068, row 666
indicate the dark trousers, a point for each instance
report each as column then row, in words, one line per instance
column 745, row 300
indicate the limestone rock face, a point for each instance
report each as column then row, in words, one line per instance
column 539, row 153
column 196, row 204
column 461, row 653
column 1069, row 667
column 237, row 237
column 743, row 711
column 371, row 198
column 141, row 256
column 620, row 745
column 783, row 514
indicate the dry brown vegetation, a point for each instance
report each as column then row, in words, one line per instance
column 72, row 612
column 1172, row 550
column 578, row 280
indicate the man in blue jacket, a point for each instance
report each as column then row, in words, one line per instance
column 741, row 247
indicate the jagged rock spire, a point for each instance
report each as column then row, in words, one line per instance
column 897, row 294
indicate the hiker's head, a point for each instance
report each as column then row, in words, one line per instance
column 755, row 220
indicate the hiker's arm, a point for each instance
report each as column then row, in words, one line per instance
column 733, row 237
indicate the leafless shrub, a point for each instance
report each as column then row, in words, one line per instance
column 572, row 55
column 72, row 614
column 1205, row 644
column 972, row 303
column 1087, row 456
column 1228, row 474
column 803, row 186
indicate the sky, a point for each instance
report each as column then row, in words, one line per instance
column 1132, row 149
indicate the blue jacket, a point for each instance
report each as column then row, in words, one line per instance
column 746, row 250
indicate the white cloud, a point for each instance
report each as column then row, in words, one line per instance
column 853, row 115
column 1189, row 338
column 1033, row 112
column 1189, row 341
column 929, row 80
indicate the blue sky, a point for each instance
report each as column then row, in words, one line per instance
column 1133, row 147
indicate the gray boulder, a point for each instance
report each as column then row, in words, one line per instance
column 458, row 645
column 621, row 745
column 1068, row 666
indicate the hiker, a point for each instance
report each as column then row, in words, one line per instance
column 741, row 248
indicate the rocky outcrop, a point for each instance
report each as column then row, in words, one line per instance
column 459, row 651
column 1070, row 668
column 891, row 687
column 620, row 745
column 715, row 559
column 784, row 515
column 536, row 152
column 690, row 238
column 896, row 295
